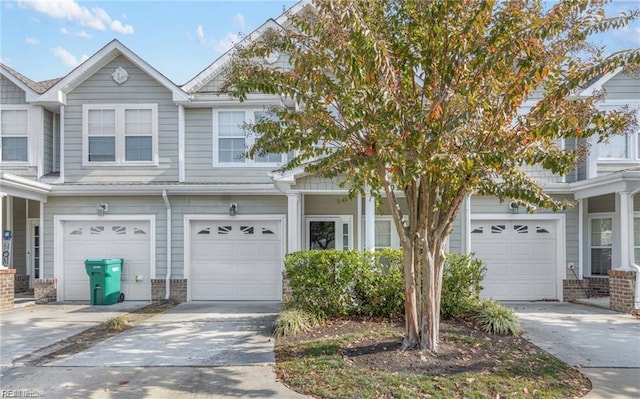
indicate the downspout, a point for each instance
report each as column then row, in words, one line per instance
column 632, row 261
column 167, row 279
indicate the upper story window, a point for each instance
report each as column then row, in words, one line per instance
column 233, row 141
column 120, row 134
column 621, row 147
column 14, row 135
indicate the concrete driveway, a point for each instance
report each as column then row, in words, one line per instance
column 604, row 344
column 167, row 356
column 191, row 334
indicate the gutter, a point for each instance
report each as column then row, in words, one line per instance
column 167, row 279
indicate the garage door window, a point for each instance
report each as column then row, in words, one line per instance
column 601, row 242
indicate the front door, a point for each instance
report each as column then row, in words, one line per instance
column 33, row 251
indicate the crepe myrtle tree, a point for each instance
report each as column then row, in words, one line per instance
column 422, row 98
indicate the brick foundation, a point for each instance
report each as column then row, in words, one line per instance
column 45, row 290
column 589, row 287
column 21, row 283
column 286, row 288
column 598, row 286
column 178, row 287
column 574, row 289
column 7, row 281
column 622, row 288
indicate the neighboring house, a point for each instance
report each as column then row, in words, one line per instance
column 115, row 160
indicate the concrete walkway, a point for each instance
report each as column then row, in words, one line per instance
column 605, row 345
column 24, row 330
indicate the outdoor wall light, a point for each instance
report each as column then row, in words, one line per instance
column 102, row 208
column 233, row 209
column 515, row 208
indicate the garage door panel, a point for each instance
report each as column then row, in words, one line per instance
column 235, row 260
column 520, row 257
column 129, row 240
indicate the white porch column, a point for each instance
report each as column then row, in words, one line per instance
column 621, row 259
column 370, row 222
column 294, row 219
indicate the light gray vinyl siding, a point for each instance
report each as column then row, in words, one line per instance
column 10, row 93
column 140, row 88
column 19, row 244
column 317, row 183
column 622, row 87
column 603, row 203
column 455, row 238
column 47, row 142
column 199, row 149
column 143, row 205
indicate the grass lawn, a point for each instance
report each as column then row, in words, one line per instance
column 362, row 359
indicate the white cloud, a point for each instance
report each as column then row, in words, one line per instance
column 64, row 31
column 118, row 27
column 83, row 34
column 96, row 18
column 239, row 22
column 217, row 45
column 200, row 34
column 67, row 58
column 31, row 40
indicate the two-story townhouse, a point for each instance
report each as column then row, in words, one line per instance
column 153, row 173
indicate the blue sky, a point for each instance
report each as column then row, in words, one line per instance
column 45, row 39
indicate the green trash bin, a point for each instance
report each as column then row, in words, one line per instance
column 104, row 280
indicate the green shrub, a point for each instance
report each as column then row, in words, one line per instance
column 292, row 322
column 322, row 282
column 461, row 284
column 495, row 318
column 379, row 287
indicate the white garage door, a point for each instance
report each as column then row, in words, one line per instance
column 520, row 257
column 129, row 240
column 236, row 260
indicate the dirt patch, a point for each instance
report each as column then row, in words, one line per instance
column 94, row 335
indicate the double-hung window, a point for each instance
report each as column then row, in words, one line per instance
column 385, row 233
column 14, row 135
column 120, row 134
column 621, row 147
column 233, row 140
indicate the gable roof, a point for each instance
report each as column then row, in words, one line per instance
column 599, row 81
column 212, row 70
column 58, row 92
column 32, row 89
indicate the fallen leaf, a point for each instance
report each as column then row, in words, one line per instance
column 123, row 382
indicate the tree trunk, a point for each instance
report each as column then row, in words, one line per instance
column 412, row 332
column 430, row 323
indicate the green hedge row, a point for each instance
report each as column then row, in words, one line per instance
column 333, row 284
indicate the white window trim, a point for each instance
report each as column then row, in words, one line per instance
column 31, row 135
column 340, row 219
column 249, row 141
column 590, row 217
column 120, row 136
